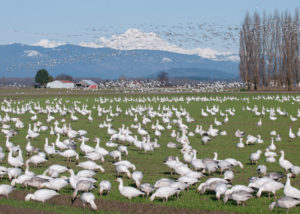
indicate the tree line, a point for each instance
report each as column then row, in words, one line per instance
column 269, row 50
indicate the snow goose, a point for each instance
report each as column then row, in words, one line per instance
column 147, row 188
column 13, row 173
column 257, row 183
column 217, row 123
column 163, row 192
column 270, row 187
column 220, row 189
column 6, row 189
column 284, row 163
column 259, row 123
column 120, row 168
column 234, row 162
column 291, row 134
column 88, row 198
column 295, row 170
column 94, row 156
column 210, row 184
column 188, row 180
column 229, row 175
column 86, row 173
column 60, row 144
column 137, row 176
column 83, row 186
column 50, row 150
column 69, row 154
column 41, row 195
column 289, row 190
column 211, row 167
column 99, row 149
column 284, row 202
column 116, row 154
column 13, row 161
column 85, row 148
column 239, row 197
column 239, row 134
column 272, row 145
column 36, row 160
column 128, row 192
column 261, row 170
column 104, row 186
column 21, row 179
column 55, row 184
column 237, row 188
column 29, row 148
column 254, row 157
column 90, row 165
column 240, row 144
column 163, row 182
column 224, row 165
column 123, row 149
column 278, row 138
column 126, row 163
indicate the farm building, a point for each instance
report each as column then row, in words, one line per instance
column 61, row 84
column 87, row 84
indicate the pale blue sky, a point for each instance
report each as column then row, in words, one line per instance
column 28, row 21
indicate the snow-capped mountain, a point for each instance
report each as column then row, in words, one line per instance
column 133, row 54
column 134, row 39
column 18, row 60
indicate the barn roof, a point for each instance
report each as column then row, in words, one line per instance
column 89, row 82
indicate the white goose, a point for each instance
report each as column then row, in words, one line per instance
column 86, row 173
column 291, row 134
column 69, row 154
column 6, row 189
column 255, row 156
column 41, row 195
column 272, row 145
column 55, row 184
column 90, row 165
column 284, row 202
column 50, row 150
column 88, row 198
column 29, row 148
column 36, row 160
column 126, row 163
column 289, row 190
column 116, row 154
column 104, row 185
column 240, row 144
column 284, row 163
column 85, row 148
column 99, row 149
column 127, row 191
column 163, row 192
column 137, row 176
column 123, row 169
column 15, row 162
column 272, row 187
column 60, row 144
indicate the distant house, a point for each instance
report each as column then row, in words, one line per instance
column 87, row 84
column 61, row 84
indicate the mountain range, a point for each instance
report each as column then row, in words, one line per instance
column 132, row 54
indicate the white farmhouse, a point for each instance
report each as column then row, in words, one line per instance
column 61, row 84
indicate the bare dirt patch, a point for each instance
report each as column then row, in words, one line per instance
column 104, row 205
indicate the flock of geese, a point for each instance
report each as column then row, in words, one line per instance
column 56, row 116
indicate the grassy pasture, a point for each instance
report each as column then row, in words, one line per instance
column 151, row 164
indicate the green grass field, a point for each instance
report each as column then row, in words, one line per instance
column 151, row 164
